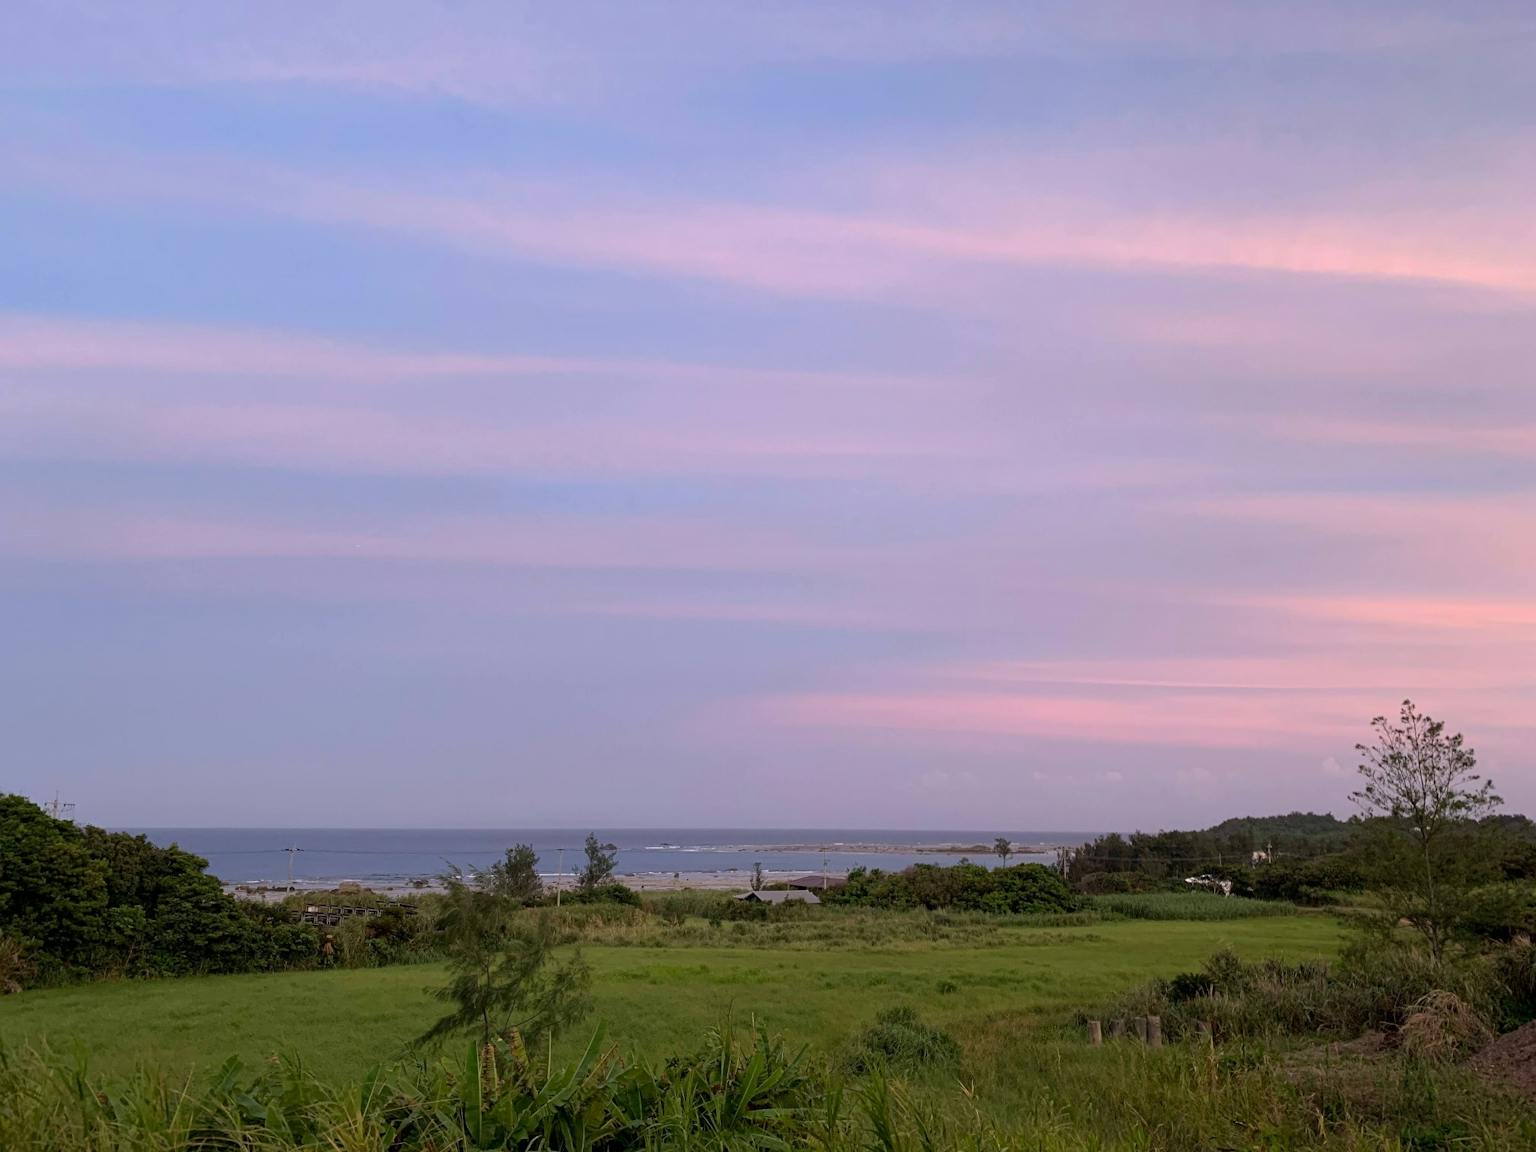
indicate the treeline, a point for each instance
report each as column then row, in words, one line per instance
column 77, row 902
column 1023, row 888
column 81, row 903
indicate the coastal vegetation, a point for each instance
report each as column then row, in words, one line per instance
column 931, row 1008
column 1019, row 889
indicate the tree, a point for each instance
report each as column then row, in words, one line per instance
column 1002, row 849
column 757, row 876
column 515, row 877
column 601, row 860
column 1422, row 798
column 502, row 977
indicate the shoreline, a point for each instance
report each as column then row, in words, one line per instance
column 716, row 880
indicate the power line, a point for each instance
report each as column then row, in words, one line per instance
column 60, row 809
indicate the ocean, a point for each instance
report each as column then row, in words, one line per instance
column 326, row 856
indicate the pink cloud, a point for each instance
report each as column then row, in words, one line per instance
column 1421, row 613
column 1479, row 536
column 1316, row 670
column 51, row 343
column 530, row 542
column 1441, row 436
column 877, row 249
column 1191, row 719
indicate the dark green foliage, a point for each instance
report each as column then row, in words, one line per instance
column 898, row 1040
column 607, row 893
column 82, row 901
column 1312, row 882
column 503, row 977
column 1145, row 861
column 601, row 860
column 515, row 877
column 1500, row 912
column 1023, row 888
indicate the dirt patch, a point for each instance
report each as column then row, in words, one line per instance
column 1510, row 1061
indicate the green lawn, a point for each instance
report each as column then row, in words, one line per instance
column 654, row 1000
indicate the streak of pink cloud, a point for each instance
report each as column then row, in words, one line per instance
column 862, row 252
column 1191, row 719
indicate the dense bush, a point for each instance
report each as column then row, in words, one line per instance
column 610, row 892
column 1023, row 888
column 1168, row 857
column 1501, row 912
column 81, row 901
column 1370, row 986
column 1313, row 882
column 899, row 1040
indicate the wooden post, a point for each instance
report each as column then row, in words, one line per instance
column 1154, row 1031
column 1117, row 1028
column 1095, row 1033
column 1141, row 1028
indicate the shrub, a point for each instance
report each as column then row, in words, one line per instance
column 1443, row 1027
column 607, row 893
column 15, row 968
column 1371, row 987
column 1311, row 882
column 899, row 1040
column 1501, row 912
column 1021, row 889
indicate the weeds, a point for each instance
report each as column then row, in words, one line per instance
column 900, row 1041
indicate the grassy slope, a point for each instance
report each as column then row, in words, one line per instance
column 655, row 1000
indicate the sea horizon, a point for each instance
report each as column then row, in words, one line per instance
column 261, row 855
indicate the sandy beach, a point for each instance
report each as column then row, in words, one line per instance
column 721, row 880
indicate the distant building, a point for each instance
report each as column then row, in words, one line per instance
column 330, row 915
column 817, row 882
column 793, row 896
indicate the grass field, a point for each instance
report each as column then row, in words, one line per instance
column 655, row 1000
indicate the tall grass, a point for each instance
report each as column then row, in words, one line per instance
column 803, row 928
column 1189, row 906
column 1013, row 1089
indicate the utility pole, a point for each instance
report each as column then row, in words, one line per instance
column 59, row 809
column 291, row 851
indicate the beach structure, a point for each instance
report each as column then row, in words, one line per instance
column 333, row 914
column 793, row 896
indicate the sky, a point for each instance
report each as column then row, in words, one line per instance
column 915, row 415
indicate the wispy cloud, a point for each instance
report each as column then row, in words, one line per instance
column 870, row 251
column 510, row 54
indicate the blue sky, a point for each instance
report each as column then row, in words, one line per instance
column 1031, row 415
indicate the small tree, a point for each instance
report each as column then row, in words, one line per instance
column 757, row 876
column 1002, row 849
column 1422, row 798
column 601, row 860
column 502, row 978
column 515, row 877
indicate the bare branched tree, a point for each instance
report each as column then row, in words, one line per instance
column 1422, row 795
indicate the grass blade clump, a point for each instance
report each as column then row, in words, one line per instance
column 1189, row 906
column 900, row 1041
